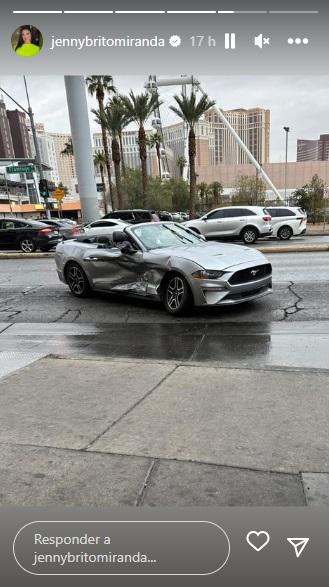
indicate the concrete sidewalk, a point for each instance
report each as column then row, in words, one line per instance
column 115, row 432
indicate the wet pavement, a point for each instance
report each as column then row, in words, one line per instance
column 253, row 345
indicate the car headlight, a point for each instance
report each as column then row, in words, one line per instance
column 207, row 274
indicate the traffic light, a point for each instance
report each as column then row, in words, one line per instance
column 43, row 188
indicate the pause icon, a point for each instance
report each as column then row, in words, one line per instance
column 229, row 40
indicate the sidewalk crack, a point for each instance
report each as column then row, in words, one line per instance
column 130, row 409
column 143, row 491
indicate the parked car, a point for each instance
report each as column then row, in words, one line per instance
column 66, row 229
column 165, row 216
column 246, row 223
column 105, row 226
column 27, row 235
column 165, row 262
column 134, row 216
column 287, row 221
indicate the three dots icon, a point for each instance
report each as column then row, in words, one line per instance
column 298, row 41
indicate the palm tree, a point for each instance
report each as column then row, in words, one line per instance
column 181, row 163
column 125, row 120
column 101, row 85
column 112, row 121
column 191, row 110
column 155, row 141
column 139, row 108
column 68, row 148
column 217, row 190
column 203, row 189
column 100, row 161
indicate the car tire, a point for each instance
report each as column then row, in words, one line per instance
column 249, row 235
column 27, row 245
column 285, row 233
column 77, row 280
column 177, row 297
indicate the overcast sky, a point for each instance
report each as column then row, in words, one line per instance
column 299, row 102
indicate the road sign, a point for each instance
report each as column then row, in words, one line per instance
column 20, row 169
column 59, row 194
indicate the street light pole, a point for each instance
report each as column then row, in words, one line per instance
column 36, row 144
column 81, row 138
column 286, row 129
column 29, row 112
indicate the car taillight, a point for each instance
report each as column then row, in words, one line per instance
column 267, row 218
column 74, row 229
column 45, row 230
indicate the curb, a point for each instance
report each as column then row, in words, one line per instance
column 26, row 255
column 314, row 248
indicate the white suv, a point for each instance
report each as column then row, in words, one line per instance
column 287, row 221
column 247, row 223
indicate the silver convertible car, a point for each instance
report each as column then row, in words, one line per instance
column 164, row 261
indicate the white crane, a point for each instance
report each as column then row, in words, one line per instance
column 189, row 80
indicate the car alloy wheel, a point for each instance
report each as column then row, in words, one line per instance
column 249, row 236
column 27, row 245
column 177, row 295
column 285, row 233
column 77, row 280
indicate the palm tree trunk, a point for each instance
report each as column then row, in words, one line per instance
column 106, row 152
column 101, row 168
column 116, row 160
column 143, row 158
column 123, row 165
column 192, row 154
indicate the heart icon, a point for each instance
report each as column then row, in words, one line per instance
column 258, row 540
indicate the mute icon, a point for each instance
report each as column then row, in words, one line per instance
column 260, row 41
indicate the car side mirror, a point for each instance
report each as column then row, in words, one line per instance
column 118, row 236
column 128, row 249
column 205, row 219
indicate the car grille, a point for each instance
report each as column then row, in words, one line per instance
column 251, row 274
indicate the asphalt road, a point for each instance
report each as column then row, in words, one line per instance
column 289, row 327
column 31, row 292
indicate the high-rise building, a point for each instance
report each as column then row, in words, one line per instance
column 214, row 142
column 65, row 163
column 313, row 150
column 19, row 134
column 6, row 143
column 130, row 150
column 175, row 137
column 47, row 152
column 252, row 126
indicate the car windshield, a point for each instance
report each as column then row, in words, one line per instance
column 161, row 236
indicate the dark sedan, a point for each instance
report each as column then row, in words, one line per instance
column 134, row 216
column 27, row 235
column 65, row 229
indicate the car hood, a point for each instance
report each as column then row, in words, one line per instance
column 214, row 255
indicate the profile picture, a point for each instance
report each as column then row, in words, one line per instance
column 27, row 41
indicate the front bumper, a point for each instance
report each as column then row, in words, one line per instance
column 219, row 292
